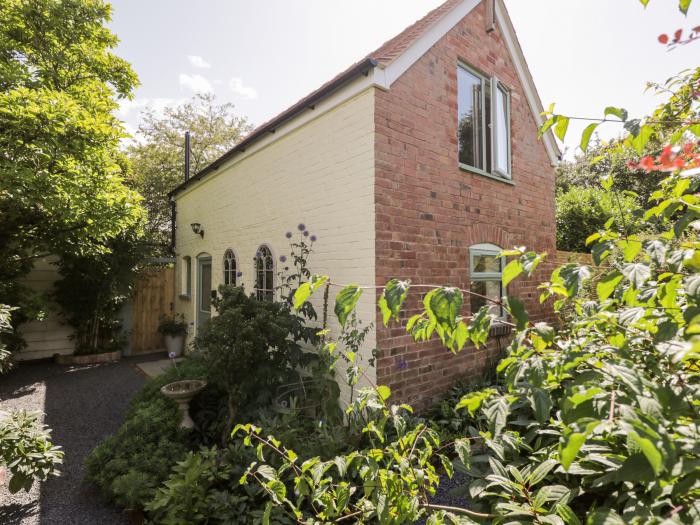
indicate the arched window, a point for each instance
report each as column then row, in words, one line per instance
column 230, row 268
column 264, row 274
column 485, row 274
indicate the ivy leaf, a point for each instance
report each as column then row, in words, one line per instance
column 345, row 302
column 637, row 274
column 445, row 304
column 517, row 311
column 586, row 135
column 511, row 271
column 606, row 286
column 393, row 296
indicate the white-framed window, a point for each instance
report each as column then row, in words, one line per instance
column 186, row 277
column 485, row 275
column 230, row 267
column 264, row 274
column 483, row 123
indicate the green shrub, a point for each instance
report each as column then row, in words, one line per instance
column 582, row 211
column 26, row 450
column 204, row 488
column 130, row 465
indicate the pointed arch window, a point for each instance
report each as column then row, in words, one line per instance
column 230, row 268
column 264, row 274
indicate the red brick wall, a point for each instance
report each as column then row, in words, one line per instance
column 428, row 211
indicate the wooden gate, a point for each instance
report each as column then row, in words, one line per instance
column 154, row 297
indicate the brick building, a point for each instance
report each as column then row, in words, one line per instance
column 419, row 162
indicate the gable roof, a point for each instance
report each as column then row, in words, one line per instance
column 387, row 56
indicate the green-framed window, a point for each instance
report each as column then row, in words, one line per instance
column 483, row 123
column 485, row 275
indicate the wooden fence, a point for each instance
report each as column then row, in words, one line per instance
column 154, row 297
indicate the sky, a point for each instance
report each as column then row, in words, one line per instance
column 263, row 56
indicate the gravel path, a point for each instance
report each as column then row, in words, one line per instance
column 83, row 404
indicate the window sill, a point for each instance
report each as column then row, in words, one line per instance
column 184, row 297
column 491, row 176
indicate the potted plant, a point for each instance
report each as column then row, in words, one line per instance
column 174, row 329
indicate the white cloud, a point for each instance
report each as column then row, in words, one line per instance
column 126, row 107
column 195, row 83
column 236, row 85
column 198, row 61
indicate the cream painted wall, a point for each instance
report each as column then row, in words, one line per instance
column 50, row 335
column 320, row 174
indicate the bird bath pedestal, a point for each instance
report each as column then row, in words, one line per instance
column 183, row 392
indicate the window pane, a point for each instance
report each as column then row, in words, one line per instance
column 469, row 122
column 486, row 264
column 490, row 289
column 501, row 131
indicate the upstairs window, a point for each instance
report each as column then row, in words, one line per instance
column 264, row 274
column 230, row 268
column 486, row 273
column 483, row 123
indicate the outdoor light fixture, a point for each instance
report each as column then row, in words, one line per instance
column 197, row 229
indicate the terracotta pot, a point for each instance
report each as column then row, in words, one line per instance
column 174, row 344
column 182, row 393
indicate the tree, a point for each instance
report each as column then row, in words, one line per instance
column 61, row 186
column 157, row 158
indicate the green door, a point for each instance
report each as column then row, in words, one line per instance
column 203, row 291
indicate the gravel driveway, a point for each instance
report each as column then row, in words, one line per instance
column 82, row 405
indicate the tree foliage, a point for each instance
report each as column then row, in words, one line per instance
column 61, row 186
column 157, row 157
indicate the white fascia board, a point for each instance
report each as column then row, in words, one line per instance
column 533, row 99
column 421, row 46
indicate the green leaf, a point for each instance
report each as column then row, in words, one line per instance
column 683, row 5
column 637, row 274
column 540, row 472
column 463, row 449
column 618, row 112
column 586, row 135
column 606, row 286
column 266, row 514
column 345, row 302
column 305, row 290
column 516, row 308
column 474, row 400
column 567, row 514
column 630, row 247
column 278, row 490
column 541, row 402
column 511, row 271
column 568, row 451
column 545, row 331
column 546, row 125
column 649, row 450
column 393, row 296
column 561, row 127
column 384, row 392
column 445, row 304
column 606, row 181
column 447, row 465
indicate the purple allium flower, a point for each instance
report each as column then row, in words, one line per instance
column 258, row 254
column 288, row 235
column 239, row 274
column 301, row 227
column 306, row 233
column 402, row 364
column 172, row 355
column 283, row 258
column 313, row 238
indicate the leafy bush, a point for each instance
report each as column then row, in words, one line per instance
column 595, row 423
column 129, row 466
column 249, row 335
column 26, row 450
column 582, row 211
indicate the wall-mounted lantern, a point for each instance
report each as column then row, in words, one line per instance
column 197, row 229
